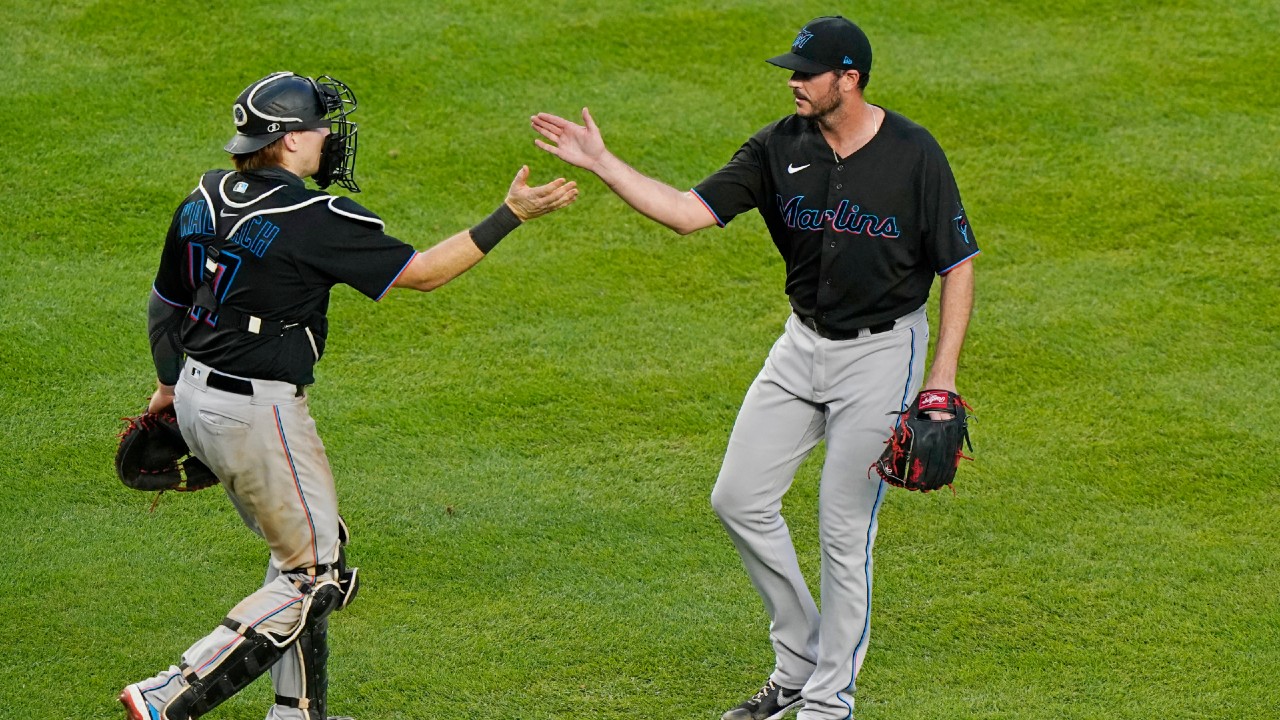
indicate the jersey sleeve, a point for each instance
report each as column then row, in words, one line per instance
column 948, row 239
column 173, row 282
column 739, row 185
column 353, row 249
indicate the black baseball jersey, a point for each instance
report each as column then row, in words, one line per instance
column 862, row 236
column 282, row 247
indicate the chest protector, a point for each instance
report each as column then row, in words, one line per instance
column 226, row 218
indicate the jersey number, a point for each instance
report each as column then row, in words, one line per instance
column 223, row 278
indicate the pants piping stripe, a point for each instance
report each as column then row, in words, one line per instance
column 297, row 483
column 219, row 654
column 161, row 685
column 273, row 613
column 906, row 387
column 860, row 648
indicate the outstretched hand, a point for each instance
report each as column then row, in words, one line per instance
column 579, row 145
column 531, row 202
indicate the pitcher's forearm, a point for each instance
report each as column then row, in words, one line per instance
column 656, row 200
column 955, row 307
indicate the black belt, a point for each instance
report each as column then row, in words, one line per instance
column 833, row 334
column 226, row 383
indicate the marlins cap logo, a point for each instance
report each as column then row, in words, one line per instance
column 801, row 39
column 961, row 223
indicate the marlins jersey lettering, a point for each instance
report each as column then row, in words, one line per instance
column 858, row 250
column 286, row 246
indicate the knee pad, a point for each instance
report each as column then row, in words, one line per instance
column 344, row 532
column 348, row 578
column 312, row 648
column 349, row 584
column 255, row 652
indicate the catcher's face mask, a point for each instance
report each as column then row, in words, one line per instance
column 283, row 102
column 338, row 157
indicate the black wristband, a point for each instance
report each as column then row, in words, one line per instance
column 492, row 229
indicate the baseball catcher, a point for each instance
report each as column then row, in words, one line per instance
column 153, row 456
column 925, row 448
column 238, row 318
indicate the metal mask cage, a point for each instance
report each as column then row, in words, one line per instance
column 340, row 146
column 338, row 98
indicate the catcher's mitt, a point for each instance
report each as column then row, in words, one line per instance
column 923, row 453
column 153, row 456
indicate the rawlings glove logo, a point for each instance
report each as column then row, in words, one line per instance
column 932, row 400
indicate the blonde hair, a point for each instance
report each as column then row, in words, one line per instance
column 271, row 155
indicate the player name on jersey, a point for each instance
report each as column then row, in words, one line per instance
column 255, row 235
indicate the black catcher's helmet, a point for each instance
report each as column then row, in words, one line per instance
column 283, row 102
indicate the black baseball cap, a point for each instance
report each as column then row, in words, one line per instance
column 825, row 44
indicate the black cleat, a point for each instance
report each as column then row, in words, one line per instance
column 770, row 703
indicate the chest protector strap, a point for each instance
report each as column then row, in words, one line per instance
column 206, row 299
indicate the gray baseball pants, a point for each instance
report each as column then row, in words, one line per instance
column 265, row 450
column 811, row 389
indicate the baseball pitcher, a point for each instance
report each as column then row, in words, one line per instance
column 862, row 205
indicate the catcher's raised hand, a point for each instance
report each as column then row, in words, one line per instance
column 579, row 145
column 531, row 202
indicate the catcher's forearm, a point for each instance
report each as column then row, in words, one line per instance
column 955, row 306
column 164, row 325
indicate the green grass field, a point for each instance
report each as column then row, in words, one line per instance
column 525, row 456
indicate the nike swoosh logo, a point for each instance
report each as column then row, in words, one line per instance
column 224, row 213
column 785, row 699
column 792, row 169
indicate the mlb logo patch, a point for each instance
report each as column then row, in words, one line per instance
column 240, row 187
